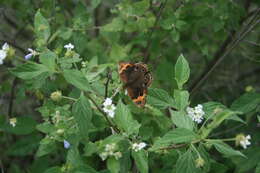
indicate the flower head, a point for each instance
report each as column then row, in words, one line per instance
column 56, row 96
column 109, row 107
column 69, row 46
column 110, row 150
column 32, row 53
column 66, row 144
column 13, row 122
column 243, row 140
column 196, row 114
column 138, row 146
column 199, row 162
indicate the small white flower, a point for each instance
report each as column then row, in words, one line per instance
column 196, row 114
column 107, row 102
column 69, row 46
column 245, row 141
column 66, row 144
column 3, row 55
column 109, row 107
column 32, row 53
column 137, row 147
column 13, row 122
column 5, row 47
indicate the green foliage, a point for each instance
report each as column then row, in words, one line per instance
column 54, row 106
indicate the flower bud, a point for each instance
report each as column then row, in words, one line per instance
column 56, row 96
column 199, row 162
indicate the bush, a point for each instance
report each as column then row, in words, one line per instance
column 64, row 106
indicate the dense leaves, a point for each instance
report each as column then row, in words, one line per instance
column 63, row 108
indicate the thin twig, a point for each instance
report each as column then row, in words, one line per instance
column 149, row 41
column 107, row 82
column 10, row 107
column 174, row 146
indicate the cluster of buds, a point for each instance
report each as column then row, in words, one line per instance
column 110, row 150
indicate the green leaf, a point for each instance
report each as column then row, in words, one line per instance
column 181, row 120
column 95, row 3
column 73, row 157
column 47, row 146
column 113, row 165
column 82, row 112
column 42, row 27
column 124, row 119
column 29, row 70
column 186, row 163
column 90, row 148
column 46, row 127
column 181, row 99
column 226, row 150
column 246, row 103
column 118, row 52
column 175, row 35
column 65, row 33
column 176, row 136
column 216, row 121
column 55, row 169
column 159, row 98
column 182, row 71
column 77, row 79
column 116, row 25
column 116, row 138
column 48, row 58
column 141, row 160
column 258, row 117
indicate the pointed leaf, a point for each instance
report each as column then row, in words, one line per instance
column 124, row 119
column 182, row 71
column 77, row 79
column 42, row 27
column 141, row 160
column 83, row 114
column 226, row 150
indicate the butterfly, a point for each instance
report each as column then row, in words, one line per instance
column 136, row 78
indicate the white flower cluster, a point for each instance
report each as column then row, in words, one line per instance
column 196, row 113
column 69, row 46
column 110, row 151
column 109, row 107
column 3, row 52
column 32, row 53
column 138, row 146
column 244, row 142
